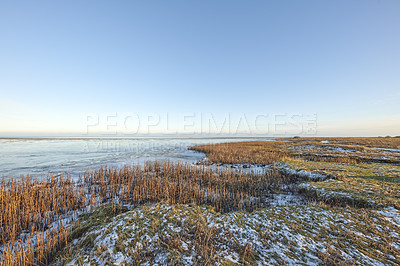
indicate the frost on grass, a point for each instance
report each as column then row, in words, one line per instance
column 308, row 175
column 184, row 234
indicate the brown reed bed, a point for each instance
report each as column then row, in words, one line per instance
column 28, row 208
column 379, row 142
column 182, row 183
column 346, row 160
column 338, row 150
column 33, row 211
column 251, row 152
column 31, row 231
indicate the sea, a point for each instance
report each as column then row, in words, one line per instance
column 52, row 156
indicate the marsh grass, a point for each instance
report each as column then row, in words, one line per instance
column 183, row 183
column 338, row 150
column 361, row 173
column 361, row 143
column 30, row 206
column 307, row 234
column 30, row 226
column 34, row 211
column 253, row 152
column 360, row 185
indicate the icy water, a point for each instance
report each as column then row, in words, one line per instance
column 55, row 155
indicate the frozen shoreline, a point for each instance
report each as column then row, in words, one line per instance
column 36, row 157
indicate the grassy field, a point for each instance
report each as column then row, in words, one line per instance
column 287, row 201
column 190, row 234
column 358, row 171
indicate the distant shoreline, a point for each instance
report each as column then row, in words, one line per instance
column 131, row 138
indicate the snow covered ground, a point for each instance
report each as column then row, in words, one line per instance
column 159, row 234
column 300, row 223
column 290, row 231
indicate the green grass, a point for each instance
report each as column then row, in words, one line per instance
column 197, row 234
column 344, row 223
column 87, row 222
column 376, row 171
column 365, row 184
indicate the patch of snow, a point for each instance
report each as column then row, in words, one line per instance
column 271, row 233
column 302, row 173
column 285, row 200
column 390, row 150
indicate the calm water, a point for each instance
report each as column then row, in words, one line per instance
column 42, row 156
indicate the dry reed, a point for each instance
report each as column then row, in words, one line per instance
column 30, row 233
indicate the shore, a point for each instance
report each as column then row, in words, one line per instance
column 292, row 200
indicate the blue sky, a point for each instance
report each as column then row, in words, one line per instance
column 62, row 61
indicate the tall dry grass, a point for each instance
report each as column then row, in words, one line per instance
column 224, row 189
column 30, row 233
column 252, row 152
column 29, row 207
column 31, row 230
column 378, row 142
column 337, row 150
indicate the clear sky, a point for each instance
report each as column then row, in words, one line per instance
column 65, row 66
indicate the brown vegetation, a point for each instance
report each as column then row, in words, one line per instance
column 182, row 183
column 30, row 205
column 378, row 142
column 340, row 150
column 252, row 152
column 31, row 230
